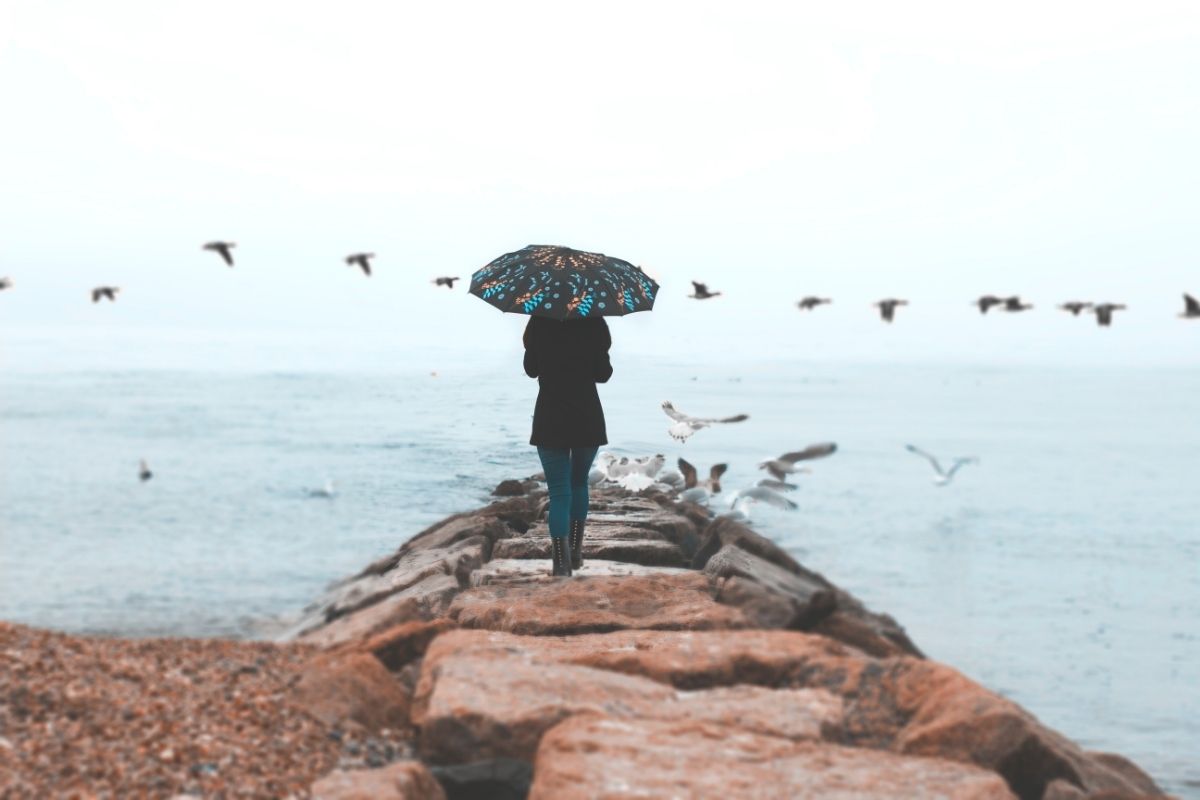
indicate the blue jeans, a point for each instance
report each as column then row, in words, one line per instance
column 567, row 479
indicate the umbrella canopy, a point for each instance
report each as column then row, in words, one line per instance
column 561, row 283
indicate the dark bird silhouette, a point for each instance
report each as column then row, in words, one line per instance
column 105, row 291
column 986, row 302
column 447, row 282
column 809, row 303
column 1074, row 306
column 144, row 473
column 361, row 260
column 701, row 291
column 1191, row 307
column 1104, row 312
column 223, row 249
column 6, row 283
column 887, row 308
column 692, row 480
column 1014, row 304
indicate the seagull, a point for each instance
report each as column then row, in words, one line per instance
column 635, row 482
column 6, row 283
column 673, row 479
column 1074, row 306
column 447, row 282
column 1104, row 312
column 780, row 486
column 615, row 468
column 701, row 291
column 327, row 490
column 785, row 465
column 1014, row 304
column 362, row 260
column 697, row 494
column 942, row 476
column 810, row 302
column 743, row 499
column 105, row 291
column 685, row 425
column 987, row 301
column 887, row 308
column 712, row 484
column 144, row 473
column 1191, row 307
column 223, row 249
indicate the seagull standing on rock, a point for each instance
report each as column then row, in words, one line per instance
column 362, row 261
column 785, row 465
column 221, row 248
column 686, row 425
column 942, row 477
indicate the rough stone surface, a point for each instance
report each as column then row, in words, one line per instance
column 421, row 601
column 600, row 757
column 490, row 779
column 406, row 642
column 810, row 600
column 631, row 549
column 338, row 687
column 403, row 780
column 586, row 605
column 520, row 570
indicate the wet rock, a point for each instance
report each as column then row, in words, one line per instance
column 810, row 600
column 491, row 779
column 722, row 532
column 335, row 688
column 406, row 642
column 403, row 780
column 520, row 570
column 592, row 756
column 587, row 605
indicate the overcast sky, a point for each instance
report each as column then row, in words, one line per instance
column 931, row 151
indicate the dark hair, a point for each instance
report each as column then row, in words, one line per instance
column 572, row 332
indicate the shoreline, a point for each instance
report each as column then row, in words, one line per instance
column 457, row 663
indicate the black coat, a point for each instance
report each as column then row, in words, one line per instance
column 568, row 359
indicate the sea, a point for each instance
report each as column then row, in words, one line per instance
column 1062, row 570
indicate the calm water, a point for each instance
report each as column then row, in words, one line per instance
column 1063, row 571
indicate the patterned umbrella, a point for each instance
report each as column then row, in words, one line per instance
column 561, row 283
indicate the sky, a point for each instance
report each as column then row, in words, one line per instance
column 933, row 151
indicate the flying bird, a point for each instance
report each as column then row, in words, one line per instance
column 780, row 486
column 742, row 500
column 711, row 484
column 362, row 261
column 1104, row 312
column 887, row 308
column 686, row 425
column 941, row 476
column 1074, row 306
column 785, row 465
column 810, row 302
column 447, row 282
column 6, row 283
column 223, row 249
column 1014, row 304
column 105, row 291
column 1191, row 307
column 144, row 473
column 701, row 291
column 986, row 302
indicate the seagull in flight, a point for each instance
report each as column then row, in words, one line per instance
column 447, row 282
column 986, row 302
column 686, row 425
column 942, row 477
column 1191, row 307
column 362, row 261
column 144, row 473
column 742, row 500
column 223, row 249
column 785, row 465
column 1014, row 304
column 701, row 291
column 6, row 283
column 810, row 302
column 105, row 291
column 780, row 486
column 691, row 479
column 1104, row 312
column 1074, row 306
column 887, row 308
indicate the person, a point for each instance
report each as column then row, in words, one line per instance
column 568, row 358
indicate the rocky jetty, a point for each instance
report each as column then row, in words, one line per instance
column 689, row 658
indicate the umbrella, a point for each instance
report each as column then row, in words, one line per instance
column 561, row 283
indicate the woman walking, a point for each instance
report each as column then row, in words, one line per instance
column 568, row 358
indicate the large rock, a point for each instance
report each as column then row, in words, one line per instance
column 335, row 688
column 520, row 570
column 422, row 601
column 489, row 779
column 588, row 605
column 486, row 705
column 631, row 545
column 809, row 600
column 406, row 642
column 596, row 756
column 722, row 532
column 403, row 780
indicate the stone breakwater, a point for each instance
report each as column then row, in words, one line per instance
column 689, row 658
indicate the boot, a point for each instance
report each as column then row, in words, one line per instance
column 560, row 551
column 576, row 537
